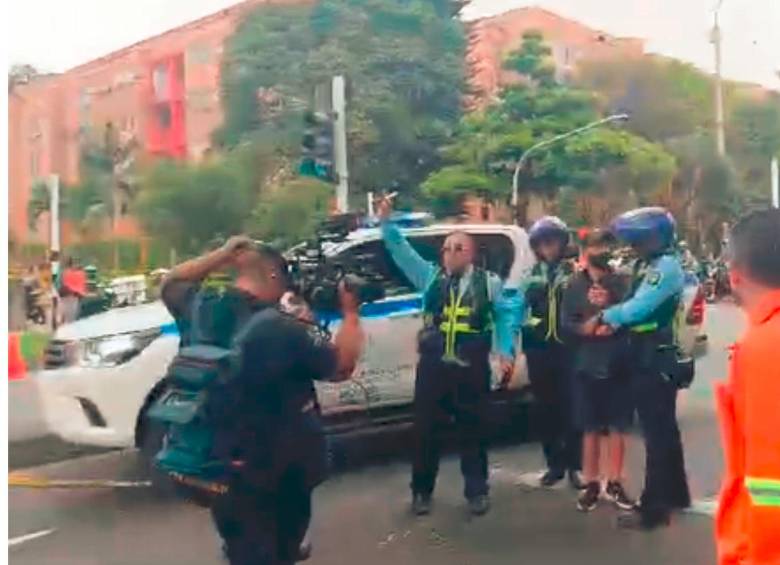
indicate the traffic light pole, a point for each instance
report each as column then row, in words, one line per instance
column 340, row 143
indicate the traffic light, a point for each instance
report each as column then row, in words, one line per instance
column 317, row 147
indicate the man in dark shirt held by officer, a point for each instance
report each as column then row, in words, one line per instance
column 601, row 387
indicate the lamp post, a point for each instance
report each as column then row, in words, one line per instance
column 551, row 141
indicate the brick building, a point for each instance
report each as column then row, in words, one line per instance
column 492, row 39
column 161, row 96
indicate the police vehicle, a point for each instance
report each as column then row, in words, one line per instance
column 102, row 373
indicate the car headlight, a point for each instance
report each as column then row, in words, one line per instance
column 110, row 351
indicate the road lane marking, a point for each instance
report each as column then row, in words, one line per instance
column 29, row 537
column 28, row 481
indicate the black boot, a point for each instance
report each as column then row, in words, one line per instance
column 421, row 504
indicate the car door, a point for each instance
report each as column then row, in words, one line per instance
column 385, row 374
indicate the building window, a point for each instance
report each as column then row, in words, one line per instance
column 164, row 116
column 160, row 83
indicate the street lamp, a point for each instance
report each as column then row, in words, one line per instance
column 552, row 141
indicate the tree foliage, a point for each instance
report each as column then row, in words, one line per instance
column 404, row 66
column 290, row 213
column 665, row 98
column 189, row 205
column 487, row 145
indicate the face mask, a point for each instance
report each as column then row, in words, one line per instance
column 600, row 260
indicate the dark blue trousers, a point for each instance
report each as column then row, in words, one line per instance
column 448, row 396
column 655, row 396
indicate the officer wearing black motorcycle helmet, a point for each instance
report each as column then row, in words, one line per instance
column 547, row 354
column 648, row 315
column 276, row 451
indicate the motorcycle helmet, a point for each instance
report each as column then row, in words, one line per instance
column 641, row 224
column 549, row 227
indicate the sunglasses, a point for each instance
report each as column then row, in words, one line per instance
column 457, row 248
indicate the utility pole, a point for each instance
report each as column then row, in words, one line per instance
column 775, row 174
column 54, row 242
column 340, row 143
column 720, row 135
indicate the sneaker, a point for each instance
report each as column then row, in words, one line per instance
column 617, row 494
column 589, row 498
column 479, row 505
column 421, row 504
column 575, row 480
column 551, row 478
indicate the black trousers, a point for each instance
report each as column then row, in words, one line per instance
column 447, row 395
column 265, row 514
column 550, row 373
column 666, row 485
column 260, row 527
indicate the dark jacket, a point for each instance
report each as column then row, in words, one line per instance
column 596, row 356
column 543, row 291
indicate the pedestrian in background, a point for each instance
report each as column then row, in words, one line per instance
column 73, row 288
column 748, row 518
column 547, row 353
column 602, row 402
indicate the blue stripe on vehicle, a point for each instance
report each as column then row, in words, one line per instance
column 169, row 329
column 373, row 310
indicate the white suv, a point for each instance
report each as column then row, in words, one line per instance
column 103, row 372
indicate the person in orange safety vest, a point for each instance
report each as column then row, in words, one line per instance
column 748, row 517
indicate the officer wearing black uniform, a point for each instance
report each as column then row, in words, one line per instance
column 463, row 306
column 276, row 450
column 649, row 314
column 548, row 356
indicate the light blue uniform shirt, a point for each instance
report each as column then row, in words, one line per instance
column 663, row 279
column 506, row 306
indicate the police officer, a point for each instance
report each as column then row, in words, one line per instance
column 276, row 452
column 549, row 358
column 463, row 306
column 648, row 315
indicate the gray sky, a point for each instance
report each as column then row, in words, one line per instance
column 57, row 34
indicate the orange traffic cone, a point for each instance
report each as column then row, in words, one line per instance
column 17, row 369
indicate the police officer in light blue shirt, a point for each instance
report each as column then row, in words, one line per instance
column 648, row 318
column 464, row 308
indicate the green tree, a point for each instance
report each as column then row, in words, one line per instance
column 187, row 205
column 752, row 139
column 290, row 213
column 486, row 146
column 705, row 190
column 404, row 67
column 665, row 98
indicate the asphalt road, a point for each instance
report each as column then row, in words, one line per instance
column 361, row 515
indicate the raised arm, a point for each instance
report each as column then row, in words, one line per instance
column 507, row 315
column 417, row 270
